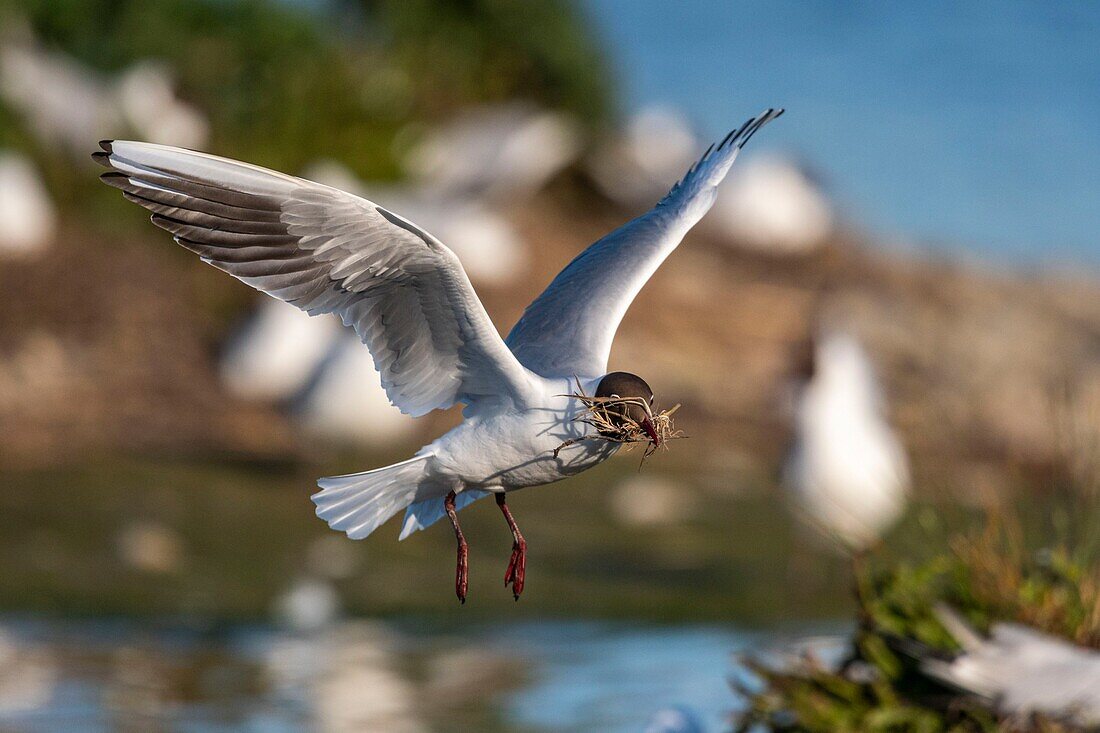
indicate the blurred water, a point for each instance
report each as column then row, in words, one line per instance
column 362, row 675
column 971, row 126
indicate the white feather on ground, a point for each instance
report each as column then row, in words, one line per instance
column 847, row 473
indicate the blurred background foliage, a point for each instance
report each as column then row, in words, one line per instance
column 286, row 83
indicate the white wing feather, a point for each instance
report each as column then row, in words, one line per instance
column 327, row 251
column 568, row 330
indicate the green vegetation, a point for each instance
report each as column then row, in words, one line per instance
column 287, row 83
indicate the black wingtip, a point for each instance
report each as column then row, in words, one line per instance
column 115, row 179
column 104, row 159
column 106, row 145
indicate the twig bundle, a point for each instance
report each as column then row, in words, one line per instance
column 617, row 426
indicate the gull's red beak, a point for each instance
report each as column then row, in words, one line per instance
column 647, row 426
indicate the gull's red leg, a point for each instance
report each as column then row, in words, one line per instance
column 517, row 566
column 462, row 572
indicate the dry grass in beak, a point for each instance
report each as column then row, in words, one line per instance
column 618, row 427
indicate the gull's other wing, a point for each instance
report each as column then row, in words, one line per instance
column 326, row 251
column 568, row 329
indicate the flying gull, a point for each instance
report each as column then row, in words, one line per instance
column 409, row 300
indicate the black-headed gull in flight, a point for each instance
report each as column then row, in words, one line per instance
column 409, row 300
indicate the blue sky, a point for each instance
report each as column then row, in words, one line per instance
column 966, row 127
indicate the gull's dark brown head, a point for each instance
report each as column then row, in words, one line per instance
column 627, row 386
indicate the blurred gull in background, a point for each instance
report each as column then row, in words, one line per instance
column 847, row 472
column 1022, row 671
column 147, row 98
column 310, row 362
column 345, row 400
column 28, row 218
column 70, row 105
column 29, row 675
column 677, row 719
column 772, row 205
column 307, row 606
column 499, row 154
column 651, row 153
column 275, row 354
column 64, row 102
column 650, row 501
column 347, row 678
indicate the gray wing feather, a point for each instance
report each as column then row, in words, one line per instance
column 326, row 251
column 570, row 327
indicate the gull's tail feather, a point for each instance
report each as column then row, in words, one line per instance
column 424, row 514
column 360, row 503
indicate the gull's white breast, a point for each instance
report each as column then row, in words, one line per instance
column 515, row 448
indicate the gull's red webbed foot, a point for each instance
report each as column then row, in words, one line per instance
column 517, row 565
column 462, row 571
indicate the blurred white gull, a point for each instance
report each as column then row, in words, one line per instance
column 27, row 215
column 1022, row 671
column 29, row 675
column 285, row 355
column 308, row 605
column 346, row 678
column 62, row 100
column 847, row 472
column 277, row 352
column 495, row 153
column 68, row 104
column 772, row 205
column 490, row 249
column 651, row 501
column 148, row 101
column 345, row 400
column 677, row 719
column 652, row 152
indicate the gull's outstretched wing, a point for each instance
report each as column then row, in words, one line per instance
column 568, row 329
column 327, row 251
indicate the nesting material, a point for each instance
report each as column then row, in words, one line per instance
column 617, row 427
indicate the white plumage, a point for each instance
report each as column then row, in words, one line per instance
column 409, row 300
column 847, row 471
column 1023, row 671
